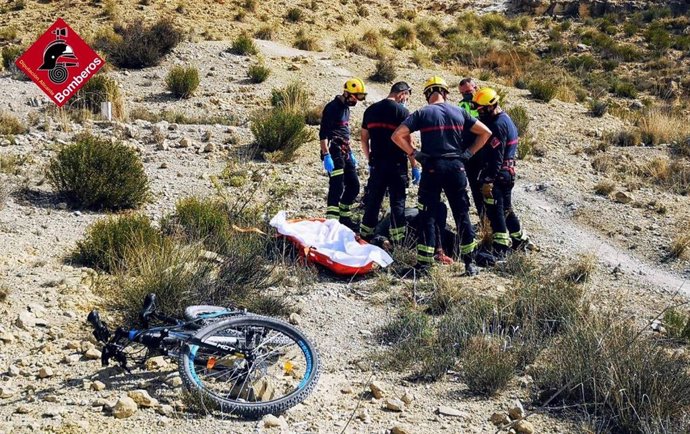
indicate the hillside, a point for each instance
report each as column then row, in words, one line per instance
column 611, row 220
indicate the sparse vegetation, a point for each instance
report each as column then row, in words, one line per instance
column 385, row 71
column 629, row 137
column 137, row 45
column 680, row 246
column 294, row 15
column 258, row 73
column 181, row 118
column 520, row 117
column 109, row 242
column 604, row 187
column 488, row 365
column 265, row 33
column 10, row 124
column 97, row 174
column 677, row 325
column 404, row 36
column 293, row 97
column 598, row 108
column 303, row 41
column 243, row 45
column 657, row 126
column 182, row 81
column 200, row 220
column 580, row 270
column 542, row 90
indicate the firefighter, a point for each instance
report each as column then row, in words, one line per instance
column 468, row 87
column 338, row 158
column 498, row 176
column 441, row 126
column 387, row 162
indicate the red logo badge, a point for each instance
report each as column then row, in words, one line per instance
column 60, row 62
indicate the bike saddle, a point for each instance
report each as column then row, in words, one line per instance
column 193, row 312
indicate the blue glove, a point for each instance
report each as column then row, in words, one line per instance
column 328, row 163
column 352, row 157
column 416, row 175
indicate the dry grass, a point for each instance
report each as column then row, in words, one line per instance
column 10, row 124
column 680, row 246
column 581, row 269
column 658, row 126
column 604, row 187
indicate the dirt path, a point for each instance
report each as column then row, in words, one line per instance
column 557, row 228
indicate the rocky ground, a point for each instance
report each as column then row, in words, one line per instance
column 51, row 379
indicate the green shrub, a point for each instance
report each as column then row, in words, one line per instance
column 11, row 125
column 466, row 319
column 623, row 88
column 265, row 33
column 658, row 37
column 605, row 187
column 526, row 147
column 181, row 81
column 677, row 324
column 293, row 97
column 582, row 63
column 427, row 32
column 404, row 36
column 243, row 45
column 521, row 119
column 10, row 54
column 542, row 90
column 618, row 378
column 138, row 45
column 100, row 88
column 108, row 242
column 258, row 73
column 199, row 219
column 97, row 174
column 580, row 269
column 385, row 71
column 598, row 108
column 294, row 15
column 487, row 365
column 410, row 336
column 280, row 133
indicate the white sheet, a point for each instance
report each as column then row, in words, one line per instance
column 333, row 240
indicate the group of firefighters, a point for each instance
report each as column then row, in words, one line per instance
column 474, row 142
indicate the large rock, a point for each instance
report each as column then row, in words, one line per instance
column 623, row 197
column 45, row 372
column 7, row 391
column 517, row 412
column 401, row 429
column 156, row 363
column 271, row 421
column 92, row 354
column 142, row 398
column 124, row 407
column 499, row 419
column 26, row 320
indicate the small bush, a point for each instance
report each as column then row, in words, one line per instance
column 404, row 36
column 598, row 108
column 96, row 174
column 294, row 15
column 8, row 34
column 4, row 193
column 258, row 73
column 624, row 89
column 293, row 97
column 100, row 88
column 385, row 71
column 199, row 220
column 11, row 125
column 605, row 187
column 139, row 46
column 410, row 335
column 182, row 82
column 487, row 365
column 280, row 133
column 10, row 55
column 520, row 117
column 629, row 137
column 526, row 147
column 243, row 45
column 680, row 246
column 677, row 325
column 265, row 33
column 108, row 242
column 4, row 292
column 306, row 42
column 542, row 90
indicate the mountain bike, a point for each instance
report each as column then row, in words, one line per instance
column 237, row 362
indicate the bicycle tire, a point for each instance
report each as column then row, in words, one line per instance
column 244, row 408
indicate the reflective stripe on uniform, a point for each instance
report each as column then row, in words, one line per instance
column 519, row 235
column 489, row 201
column 423, row 258
column 366, row 230
column 501, row 238
column 332, row 212
column 468, row 248
column 397, row 234
column 421, row 248
column 420, row 206
column 337, row 172
column 345, row 210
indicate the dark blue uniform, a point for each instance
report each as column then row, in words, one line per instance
column 441, row 127
column 499, row 156
column 343, row 185
column 388, row 167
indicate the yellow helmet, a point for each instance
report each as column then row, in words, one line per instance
column 435, row 84
column 355, row 86
column 485, row 96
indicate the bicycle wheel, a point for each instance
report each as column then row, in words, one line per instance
column 268, row 366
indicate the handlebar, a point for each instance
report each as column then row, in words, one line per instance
column 100, row 329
